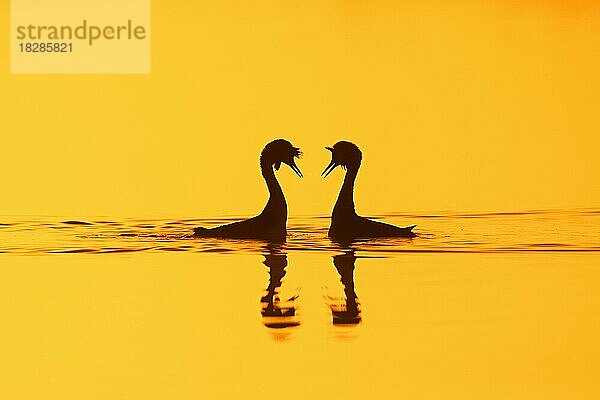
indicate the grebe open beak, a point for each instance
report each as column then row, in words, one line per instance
column 331, row 165
column 295, row 168
column 329, row 168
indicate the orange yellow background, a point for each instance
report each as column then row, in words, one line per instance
column 464, row 106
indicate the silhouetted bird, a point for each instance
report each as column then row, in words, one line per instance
column 345, row 223
column 270, row 224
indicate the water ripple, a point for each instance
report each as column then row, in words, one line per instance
column 498, row 232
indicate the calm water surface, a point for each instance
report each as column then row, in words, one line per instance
column 563, row 231
column 479, row 306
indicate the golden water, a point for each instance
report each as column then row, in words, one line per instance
column 479, row 306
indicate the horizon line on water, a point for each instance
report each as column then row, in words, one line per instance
column 408, row 213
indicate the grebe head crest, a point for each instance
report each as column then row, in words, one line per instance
column 281, row 151
column 345, row 154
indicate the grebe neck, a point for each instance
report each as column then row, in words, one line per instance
column 345, row 201
column 276, row 197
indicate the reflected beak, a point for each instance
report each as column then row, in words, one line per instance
column 295, row 168
column 329, row 168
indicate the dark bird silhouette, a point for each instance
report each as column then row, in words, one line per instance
column 345, row 223
column 270, row 224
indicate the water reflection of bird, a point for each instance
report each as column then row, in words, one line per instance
column 277, row 313
column 270, row 224
column 345, row 223
column 347, row 313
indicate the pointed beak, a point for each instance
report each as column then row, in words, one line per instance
column 329, row 168
column 331, row 165
column 295, row 168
